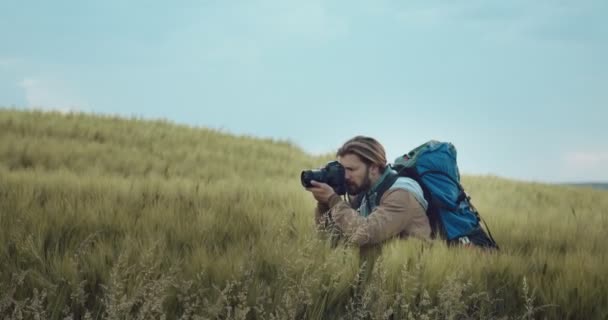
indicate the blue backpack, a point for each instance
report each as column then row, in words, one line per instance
column 451, row 214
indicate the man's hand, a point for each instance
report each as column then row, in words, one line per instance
column 321, row 191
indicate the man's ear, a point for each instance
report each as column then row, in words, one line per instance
column 374, row 169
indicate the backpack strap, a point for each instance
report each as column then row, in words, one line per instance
column 385, row 185
column 437, row 228
column 461, row 195
column 432, row 211
column 382, row 188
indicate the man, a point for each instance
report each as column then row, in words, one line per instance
column 401, row 211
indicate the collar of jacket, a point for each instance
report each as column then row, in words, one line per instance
column 368, row 203
column 387, row 171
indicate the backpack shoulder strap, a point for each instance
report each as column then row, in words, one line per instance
column 385, row 185
column 410, row 185
column 437, row 228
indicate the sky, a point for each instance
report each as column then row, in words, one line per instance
column 519, row 87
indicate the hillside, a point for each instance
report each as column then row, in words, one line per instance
column 111, row 217
column 111, row 146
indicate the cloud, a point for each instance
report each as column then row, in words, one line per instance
column 586, row 165
column 47, row 94
column 250, row 30
column 508, row 21
column 588, row 159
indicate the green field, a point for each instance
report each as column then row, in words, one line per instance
column 111, row 218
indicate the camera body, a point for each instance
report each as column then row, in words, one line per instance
column 333, row 174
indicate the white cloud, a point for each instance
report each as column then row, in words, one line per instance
column 510, row 21
column 588, row 159
column 244, row 32
column 586, row 165
column 47, row 94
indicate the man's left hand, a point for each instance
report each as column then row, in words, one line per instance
column 321, row 191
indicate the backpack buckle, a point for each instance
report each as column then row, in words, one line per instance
column 465, row 241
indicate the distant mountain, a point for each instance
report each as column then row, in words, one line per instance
column 595, row 185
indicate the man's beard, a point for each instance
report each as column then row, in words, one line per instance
column 365, row 186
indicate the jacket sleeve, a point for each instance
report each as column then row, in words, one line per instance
column 322, row 215
column 398, row 213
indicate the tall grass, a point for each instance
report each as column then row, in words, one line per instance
column 112, row 218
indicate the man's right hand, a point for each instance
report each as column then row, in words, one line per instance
column 321, row 191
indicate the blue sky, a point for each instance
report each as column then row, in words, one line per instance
column 520, row 87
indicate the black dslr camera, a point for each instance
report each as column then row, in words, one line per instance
column 333, row 174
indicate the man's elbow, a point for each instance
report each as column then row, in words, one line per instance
column 368, row 235
column 361, row 237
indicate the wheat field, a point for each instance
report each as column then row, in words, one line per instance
column 103, row 217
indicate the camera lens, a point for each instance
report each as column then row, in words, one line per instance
column 305, row 178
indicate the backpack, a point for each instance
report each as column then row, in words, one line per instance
column 451, row 214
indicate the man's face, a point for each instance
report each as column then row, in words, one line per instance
column 357, row 174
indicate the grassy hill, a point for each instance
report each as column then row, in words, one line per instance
column 105, row 218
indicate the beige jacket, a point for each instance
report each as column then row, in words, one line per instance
column 398, row 214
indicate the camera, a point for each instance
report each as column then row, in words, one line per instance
column 333, row 174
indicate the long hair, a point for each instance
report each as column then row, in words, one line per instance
column 368, row 149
